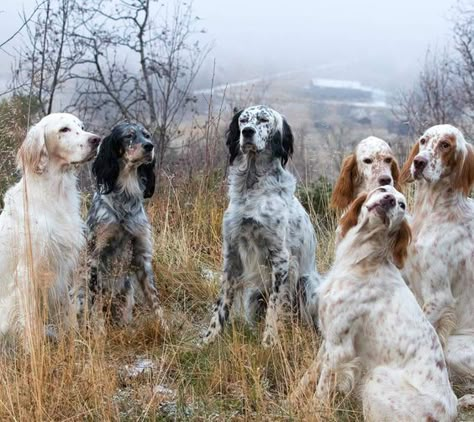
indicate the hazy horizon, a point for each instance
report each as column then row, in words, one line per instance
column 379, row 43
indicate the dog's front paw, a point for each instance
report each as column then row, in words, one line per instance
column 466, row 401
column 162, row 320
column 270, row 338
column 209, row 337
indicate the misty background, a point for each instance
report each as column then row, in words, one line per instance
column 338, row 70
column 381, row 43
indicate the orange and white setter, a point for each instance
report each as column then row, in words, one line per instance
column 440, row 268
column 372, row 164
column 377, row 343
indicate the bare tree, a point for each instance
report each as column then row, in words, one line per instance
column 25, row 22
column 463, row 69
column 433, row 100
column 48, row 56
column 444, row 91
column 141, row 60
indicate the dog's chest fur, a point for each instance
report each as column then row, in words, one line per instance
column 122, row 220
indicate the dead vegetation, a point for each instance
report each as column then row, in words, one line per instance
column 141, row 373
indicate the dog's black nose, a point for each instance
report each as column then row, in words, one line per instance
column 94, row 140
column 388, row 201
column 384, row 180
column 420, row 163
column 247, row 132
column 148, row 147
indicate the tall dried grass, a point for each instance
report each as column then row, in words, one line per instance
column 84, row 376
column 141, row 373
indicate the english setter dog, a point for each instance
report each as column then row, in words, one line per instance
column 440, row 268
column 41, row 230
column 120, row 239
column 269, row 241
column 377, row 341
column 372, row 164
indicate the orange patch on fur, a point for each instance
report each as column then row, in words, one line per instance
column 464, row 172
column 395, row 170
column 405, row 175
column 344, row 188
column 400, row 248
column 350, row 218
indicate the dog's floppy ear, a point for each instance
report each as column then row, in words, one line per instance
column 282, row 142
column 400, row 248
column 106, row 166
column 233, row 137
column 395, row 170
column 147, row 177
column 350, row 218
column 464, row 175
column 33, row 155
column 345, row 186
column 405, row 175
column 287, row 141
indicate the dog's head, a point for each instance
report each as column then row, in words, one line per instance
column 383, row 210
column 129, row 146
column 58, row 140
column 373, row 164
column 441, row 154
column 258, row 129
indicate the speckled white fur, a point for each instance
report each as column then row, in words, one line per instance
column 373, row 164
column 269, row 241
column 380, row 154
column 377, row 341
column 440, row 268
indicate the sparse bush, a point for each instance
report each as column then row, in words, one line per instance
column 15, row 113
column 315, row 197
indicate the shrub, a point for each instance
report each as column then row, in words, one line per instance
column 15, row 114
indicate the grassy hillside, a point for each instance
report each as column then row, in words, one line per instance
column 143, row 373
column 140, row 372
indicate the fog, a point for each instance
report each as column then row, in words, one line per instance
column 378, row 42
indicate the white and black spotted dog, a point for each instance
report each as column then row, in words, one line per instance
column 120, row 239
column 269, row 241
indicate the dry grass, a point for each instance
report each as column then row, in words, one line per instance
column 84, row 377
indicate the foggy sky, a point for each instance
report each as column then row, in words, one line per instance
column 378, row 41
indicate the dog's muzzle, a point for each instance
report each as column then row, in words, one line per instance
column 387, row 202
column 419, row 165
column 248, row 143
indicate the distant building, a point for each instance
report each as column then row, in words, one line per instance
column 346, row 91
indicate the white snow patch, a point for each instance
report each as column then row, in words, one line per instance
column 209, row 275
column 140, row 367
column 164, row 391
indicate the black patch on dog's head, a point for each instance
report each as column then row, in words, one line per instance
column 282, row 143
column 147, row 176
column 106, row 166
column 233, row 137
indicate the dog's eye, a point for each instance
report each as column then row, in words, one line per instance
column 367, row 160
column 382, row 190
column 402, row 205
column 244, row 120
column 388, row 160
column 263, row 119
column 422, row 141
column 445, row 145
column 64, row 130
column 146, row 135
